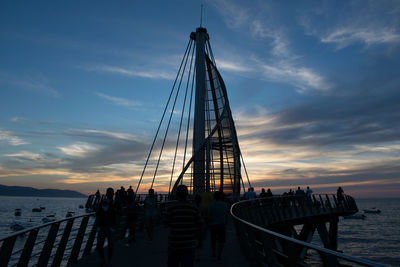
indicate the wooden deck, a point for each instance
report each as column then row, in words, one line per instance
column 154, row 253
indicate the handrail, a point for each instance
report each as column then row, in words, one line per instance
column 45, row 225
column 51, row 240
column 299, row 242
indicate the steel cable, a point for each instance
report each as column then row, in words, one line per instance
column 162, row 118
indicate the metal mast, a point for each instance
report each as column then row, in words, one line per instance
column 199, row 182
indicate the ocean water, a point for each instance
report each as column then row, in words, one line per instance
column 375, row 238
column 53, row 206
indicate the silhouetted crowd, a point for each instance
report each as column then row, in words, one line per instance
column 189, row 221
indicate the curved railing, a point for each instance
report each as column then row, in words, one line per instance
column 264, row 247
column 267, row 212
column 57, row 243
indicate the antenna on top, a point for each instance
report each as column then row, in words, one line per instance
column 201, row 15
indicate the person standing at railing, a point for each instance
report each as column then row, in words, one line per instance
column 308, row 194
column 250, row 194
column 106, row 219
column 300, row 194
column 340, row 196
column 263, row 193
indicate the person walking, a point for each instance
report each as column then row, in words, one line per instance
column 185, row 222
column 218, row 213
column 106, row 219
column 131, row 217
column 150, row 213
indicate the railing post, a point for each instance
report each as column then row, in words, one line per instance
column 78, row 241
column 89, row 242
column 48, row 245
column 6, row 250
column 28, row 247
column 63, row 243
column 322, row 203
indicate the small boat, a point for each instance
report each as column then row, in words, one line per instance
column 373, row 210
column 70, row 214
column 51, row 216
column 47, row 220
column 36, row 210
column 355, row 217
column 17, row 212
column 16, row 226
column 42, row 208
column 81, row 206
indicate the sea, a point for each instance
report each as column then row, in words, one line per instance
column 375, row 238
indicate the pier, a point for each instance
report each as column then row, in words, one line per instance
column 259, row 233
column 273, row 231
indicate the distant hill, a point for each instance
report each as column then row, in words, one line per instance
column 23, row 191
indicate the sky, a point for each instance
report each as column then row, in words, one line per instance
column 314, row 88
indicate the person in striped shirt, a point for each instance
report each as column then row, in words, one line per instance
column 185, row 223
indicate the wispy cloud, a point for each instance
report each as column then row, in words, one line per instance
column 37, row 83
column 11, row 138
column 302, row 77
column 118, row 100
column 117, row 135
column 285, row 66
column 18, row 119
column 25, row 155
column 346, row 36
column 150, row 74
column 79, row 149
column 232, row 66
column 367, row 23
column 235, row 16
column 280, row 44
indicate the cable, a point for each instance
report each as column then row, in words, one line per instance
column 180, row 124
column 169, row 122
column 162, row 118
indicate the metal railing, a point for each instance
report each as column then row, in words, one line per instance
column 64, row 242
column 264, row 247
column 56, row 243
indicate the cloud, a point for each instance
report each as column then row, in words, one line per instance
column 232, row 66
column 235, row 16
column 344, row 37
column 38, row 84
column 117, row 135
column 285, row 65
column 280, row 44
column 346, row 23
column 18, row 119
column 25, row 155
column 11, row 138
column 79, row 149
column 151, row 74
column 118, row 100
column 302, row 77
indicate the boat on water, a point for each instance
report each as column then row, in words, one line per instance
column 373, row 210
column 36, row 210
column 17, row 212
column 69, row 214
column 355, row 217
